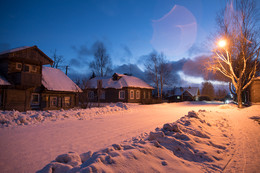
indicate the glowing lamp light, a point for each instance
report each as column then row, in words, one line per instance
column 222, row 43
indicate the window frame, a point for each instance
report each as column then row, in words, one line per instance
column 16, row 66
column 29, row 67
column 33, row 68
column 65, row 99
column 132, row 94
column 138, row 94
column 38, row 99
column 51, row 101
column 120, row 95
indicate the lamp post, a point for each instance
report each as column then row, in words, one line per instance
column 222, row 43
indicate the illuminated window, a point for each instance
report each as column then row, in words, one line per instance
column 144, row 95
column 121, row 94
column 33, row 68
column 178, row 97
column 132, row 94
column 18, row 66
column 53, row 101
column 138, row 94
column 67, row 101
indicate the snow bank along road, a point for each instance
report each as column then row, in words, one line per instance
column 29, row 148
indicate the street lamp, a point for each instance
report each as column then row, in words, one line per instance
column 222, row 43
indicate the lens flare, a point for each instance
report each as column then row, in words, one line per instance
column 175, row 32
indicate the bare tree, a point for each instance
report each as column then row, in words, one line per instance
column 101, row 64
column 208, row 90
column 57, row 60
column 164, row 71
column 158, row 70
column 152, row 68
column 221, row 94
column 238, row 59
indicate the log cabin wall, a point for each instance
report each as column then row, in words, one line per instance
column 58, row 100
column 23, row 69
column 255, row 91
column 15, row 99
column 112, row 95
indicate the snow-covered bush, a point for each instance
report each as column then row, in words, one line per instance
column 168, row 149
column 13, row 118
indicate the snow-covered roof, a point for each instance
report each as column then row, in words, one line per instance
column 3, row 81
column 192, row 90
column 15, row 49
column 124, row 81
column 55, row 80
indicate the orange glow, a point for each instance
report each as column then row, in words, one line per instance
column 222, row 43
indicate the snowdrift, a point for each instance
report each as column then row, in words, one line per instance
column 14, row 118
column 197, row 142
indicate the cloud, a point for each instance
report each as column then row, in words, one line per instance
column 197, row 49
column 74, row 62
column 127, row 51
column 197, row 68
column 83, row 50
column 125, row 55
column 84, row 54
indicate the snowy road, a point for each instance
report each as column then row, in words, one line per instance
column 30, row 148
column 246, row 152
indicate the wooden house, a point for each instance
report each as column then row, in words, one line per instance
column 254, row 89
column 24, row 77
column 119, row 88
column 184, row 94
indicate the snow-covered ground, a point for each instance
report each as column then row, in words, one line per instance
column 180, row 137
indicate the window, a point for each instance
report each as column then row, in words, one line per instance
column 67, row 101
column 178, row 97
column 144, row 95
column 53, row 101
column 138, row 94
column 132, row 94
column 18, row 66
column 33, row 69
column 35, row 99
column 149, row 94
column 27, row 68
column 91, row 95
column 121, row 94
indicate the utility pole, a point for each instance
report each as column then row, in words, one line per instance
column 67, row 70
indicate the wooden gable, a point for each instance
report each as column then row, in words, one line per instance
column 32, row 55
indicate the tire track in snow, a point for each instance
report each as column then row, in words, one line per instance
column 246, row 156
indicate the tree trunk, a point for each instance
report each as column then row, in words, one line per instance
column 161, row 88
column 239, row 98
column 158, row 94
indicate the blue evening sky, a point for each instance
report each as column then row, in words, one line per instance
column 128, row 28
